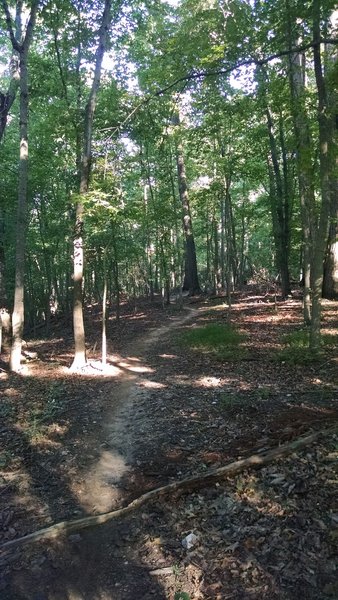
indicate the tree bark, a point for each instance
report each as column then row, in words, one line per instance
column 21, row 47
column 330, row 282
column 7, row 99
column 326, row 169
column 191, row 282
column 282, row 231
column 85, row 169
column 305, row 169
column 280, row 204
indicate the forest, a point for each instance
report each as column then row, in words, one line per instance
column 168, row 299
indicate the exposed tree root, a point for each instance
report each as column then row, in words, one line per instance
column 185, row 485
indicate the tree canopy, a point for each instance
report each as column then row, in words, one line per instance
column 185, row 144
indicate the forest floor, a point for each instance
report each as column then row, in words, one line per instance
column 74, row 445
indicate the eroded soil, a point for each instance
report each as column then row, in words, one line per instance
column 76, row 445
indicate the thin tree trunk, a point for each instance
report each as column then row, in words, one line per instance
column 85, row 170
column 305, row 169
column 281, row 216
column 326, row 166
column 22, row 49
column 7, row 99
column 223, row 268
column 191, row 282
column 116, row 275
column 104, row 310
column 216, row 257
column 330, row 282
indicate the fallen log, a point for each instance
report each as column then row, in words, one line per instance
column 189, row 484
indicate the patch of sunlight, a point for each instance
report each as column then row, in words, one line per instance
column 73, row 594
column 99, row 493
column 274, row 508
column 167, row 355
column 209, row 382
column 40, row 440
column 135, row 369
column 182, row 379
column 27, row 500
column 95, row 369
column 155, row 385
column 218, row 307
column 25, row 371
column 57, row 429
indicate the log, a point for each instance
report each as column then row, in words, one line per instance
column 189, row 484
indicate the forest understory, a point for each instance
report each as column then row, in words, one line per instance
column 75, row 445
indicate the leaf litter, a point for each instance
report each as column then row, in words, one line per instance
column 268, row 534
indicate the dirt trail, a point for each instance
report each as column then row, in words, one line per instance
column 102, row 492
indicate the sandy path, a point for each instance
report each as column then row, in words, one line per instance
column 101, row 491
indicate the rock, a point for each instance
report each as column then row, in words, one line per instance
column 189, row 541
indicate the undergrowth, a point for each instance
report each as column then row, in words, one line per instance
column 297, row 347
column 222, row 341
column 52, row 410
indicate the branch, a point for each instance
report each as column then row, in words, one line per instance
column 30, row 25
column 246, row 63
column 59, row 62
column 15, row 43
column 185, row 485
column 227, row 71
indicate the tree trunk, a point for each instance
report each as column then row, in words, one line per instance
column 7, row 99
column 326, row 169
column 191, row 282
column 282, row 216
column 5, row 319
column 305, row 171
column 22, row 49
column 330, row 282
column 104, row 311
column 85, row 170
column 280, row 205
column 217, row 279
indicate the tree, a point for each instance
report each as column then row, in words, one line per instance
column 191, row 282
column 85, row 169
column 22, row 48
column 326, row 169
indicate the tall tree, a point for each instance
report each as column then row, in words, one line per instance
column 191, row 281
column 330, row 283
column 305, row 167
column 85, row 169
column 22, row 48
column 326, row 169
